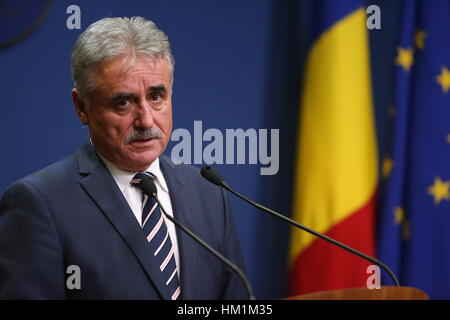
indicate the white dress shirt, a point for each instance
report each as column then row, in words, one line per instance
column 134, row 196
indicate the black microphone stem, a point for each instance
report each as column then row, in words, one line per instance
column 317, row 234
column 231, row 265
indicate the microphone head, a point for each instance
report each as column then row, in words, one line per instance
column 212, row 175
column 148, row 186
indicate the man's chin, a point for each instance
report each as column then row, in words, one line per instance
column 140, row 158
column 141, row 163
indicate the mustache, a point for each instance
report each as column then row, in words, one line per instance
column 138, row 134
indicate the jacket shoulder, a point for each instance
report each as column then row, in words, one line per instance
column 54, row 175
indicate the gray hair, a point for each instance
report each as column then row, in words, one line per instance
column 113, row 37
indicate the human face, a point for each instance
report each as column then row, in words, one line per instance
column 130, row 111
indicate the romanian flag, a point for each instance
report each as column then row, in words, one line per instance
column 336, row 165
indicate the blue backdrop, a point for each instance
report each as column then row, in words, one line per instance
column 238, row 65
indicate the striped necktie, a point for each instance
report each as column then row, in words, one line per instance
column 157, row 234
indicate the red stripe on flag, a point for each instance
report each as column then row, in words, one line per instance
column 323, row 266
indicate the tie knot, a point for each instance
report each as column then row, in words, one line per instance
column 136, row 181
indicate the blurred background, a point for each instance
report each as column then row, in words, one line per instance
column 360, row 100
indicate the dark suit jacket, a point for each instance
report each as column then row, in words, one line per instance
column 73, row 213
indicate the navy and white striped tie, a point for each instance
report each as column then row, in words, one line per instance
column 157, row 234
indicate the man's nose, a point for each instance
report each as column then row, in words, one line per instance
column 144, row 117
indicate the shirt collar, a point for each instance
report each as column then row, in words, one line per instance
column 156, row 170
column 123, row 178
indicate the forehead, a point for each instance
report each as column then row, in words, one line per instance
column 121, row 74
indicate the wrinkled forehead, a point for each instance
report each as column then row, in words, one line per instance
column 124, row 72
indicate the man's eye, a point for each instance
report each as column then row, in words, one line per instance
column 155, row 97
column 122, row 103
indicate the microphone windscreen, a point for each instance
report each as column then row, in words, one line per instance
column 212, row 175
column 149, row 187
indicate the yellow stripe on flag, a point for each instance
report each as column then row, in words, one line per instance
column 336, row 153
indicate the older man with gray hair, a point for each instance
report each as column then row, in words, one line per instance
column 82, row 228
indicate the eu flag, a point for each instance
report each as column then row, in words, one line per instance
column 414, row 218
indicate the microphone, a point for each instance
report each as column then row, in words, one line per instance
column 213, row 176
column 149, row 188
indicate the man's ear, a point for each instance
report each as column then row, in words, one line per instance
column 80, row 107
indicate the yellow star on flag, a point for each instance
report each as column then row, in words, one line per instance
column 444, row 79
column 440, row 190
column 448, row 138
column 405, row 58
column 399, row 215
column 388, row 164
column 419, row 39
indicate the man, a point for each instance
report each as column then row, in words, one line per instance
column 87, row 213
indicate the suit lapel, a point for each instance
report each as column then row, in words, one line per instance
column 103, row 190
column 188, row 249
